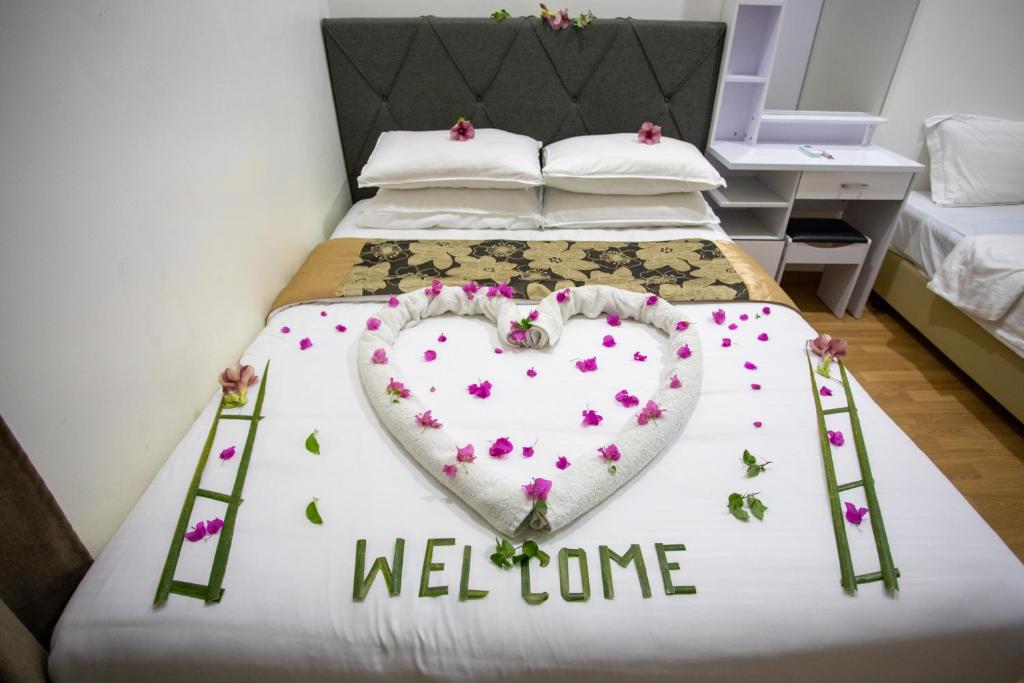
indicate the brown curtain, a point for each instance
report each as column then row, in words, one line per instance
column 43, row 561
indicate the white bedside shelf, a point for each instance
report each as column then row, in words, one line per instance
column 739, row 156
column 745, row 193
column 744, row 224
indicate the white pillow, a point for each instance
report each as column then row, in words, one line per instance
column 404, row 160
column 619, row 164
column 576, row 210
column 451, row 208
column 975, row 160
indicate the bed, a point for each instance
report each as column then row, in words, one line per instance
column 719, row 598
column 926, row 235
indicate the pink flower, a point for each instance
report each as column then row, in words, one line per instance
column 608, row 341
column 396, row 390
column 825, row 391
column 433, row 389
column 744, row 317
column 482, row 390
column 749, row 366
column 733, row 326
column 214, row 525
column 234, row 381
column 652, row 299
column 498, row 350
column 757, row 424
column 762, row 337
column 506, row 290
column 373, row 323
column 835, row 438
column 427, row 420
column 323, row 314
column 500, row 448
column 651, row 411
column 517, row 336
column 450, row 471
column 305, row 343
column 470, row 288
column 393, row 302
column 726, row 342
column 539, row 489
column 626, row 399
column 649, row 134
column 755, row 387
column 285, row 329
column 682, row 326
column 441, row 338
column 379, row 357
column 610, row 452
column 466, row 453
column 197, row 533
column 562, row 462
column 462, row 130
column 637, row 356
column 591, row 418
column 430, row 355
column 613, row 320
column 227, row 453
column 434, row 289
column 534, row 314
column 684, row 351
column 855, row 515
column 674, row 382
column 531, row 373
column 718, row 316
column 527, row 451
column 766, row 310
column 587, row 365
column 556, row 20
column 563, row 296
column 340, row 328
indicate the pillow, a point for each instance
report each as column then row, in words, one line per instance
column 451, row 208
column 404, row 160
column 975, row 160
column 576, row 210
column 619, row 164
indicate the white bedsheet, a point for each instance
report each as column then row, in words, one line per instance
column 929, row 236
column 768, row 604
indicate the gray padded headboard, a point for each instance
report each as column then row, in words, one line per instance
column 520, row 76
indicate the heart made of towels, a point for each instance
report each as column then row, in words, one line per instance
column 492, row 493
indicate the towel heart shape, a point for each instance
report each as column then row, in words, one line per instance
column 488, row 488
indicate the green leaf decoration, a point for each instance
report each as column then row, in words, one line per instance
column 540, row 506
column 757, row 508
column 612, row 469
column 740, row 514
column 754, row 470
column 530, row 548
column 312, row 445
column 500, row 15
column 748, row 458
column 735, row 506
column 543, row 557
column 312, row 513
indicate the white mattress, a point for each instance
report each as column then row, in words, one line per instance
column 927, row 235
column 926, row 232
column 768, row 604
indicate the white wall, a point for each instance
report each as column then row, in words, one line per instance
column 960, row 57
column 164, row 168
column 799, row 24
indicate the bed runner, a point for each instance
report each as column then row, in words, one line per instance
column 675, row 270
column 888, row 573
column 212, row 591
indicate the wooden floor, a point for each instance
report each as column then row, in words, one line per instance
column 977, row 445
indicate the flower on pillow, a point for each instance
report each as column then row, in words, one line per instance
column 649, row 134
column 462, row 130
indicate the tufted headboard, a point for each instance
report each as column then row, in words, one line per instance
column 520, row 76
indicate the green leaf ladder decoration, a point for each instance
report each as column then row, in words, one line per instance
column 213, row 591
column 888, row 573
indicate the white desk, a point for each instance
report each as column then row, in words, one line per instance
column 866, row 185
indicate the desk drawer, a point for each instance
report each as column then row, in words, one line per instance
column 844, row 185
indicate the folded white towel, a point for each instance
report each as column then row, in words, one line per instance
column 493, row 494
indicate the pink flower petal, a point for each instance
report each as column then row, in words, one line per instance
column 855, row 515
column 835, row 437
column 450, row 471
column 825, row 391
column 197, row 533
column 373, row 323
column 755, row 387
column 527, row 451
column 591, row 418
column 214, row 525
column 441, row 338
column 563, row 296
column 610, row 452
column 531, row 373
column 227, row 453
column 608, row 341
column 682, row 326
column 429, row 355
column 498, row 351
column 470, row 288
column 340, row 328
column 766, row 310
column 379, row 357
column 393, row 302
column 726, row 342
column 651, row 300
column 562, row 462
column 482, row 390
column 587, row 365
column 305, row 343
column 744, row 317
column 323, row 314
column 626, row 399
column 613, row 320
column 733, row 326
column 718, row 316
column 762, row 337
column 539, row 489
column 285, row 329
column 466, row 453
column 684, row 351
column 434, row 289
column 674, row 382
column 501, row 447
column 757, row 424
column 637, row 356
column 425, row 419
column 749, row 366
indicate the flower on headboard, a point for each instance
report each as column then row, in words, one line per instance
column 463, row 130
column 500, row 15
column 556, row 20
column 649, row 133
column 584, row 20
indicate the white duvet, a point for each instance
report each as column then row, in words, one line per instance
column 768, row 604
